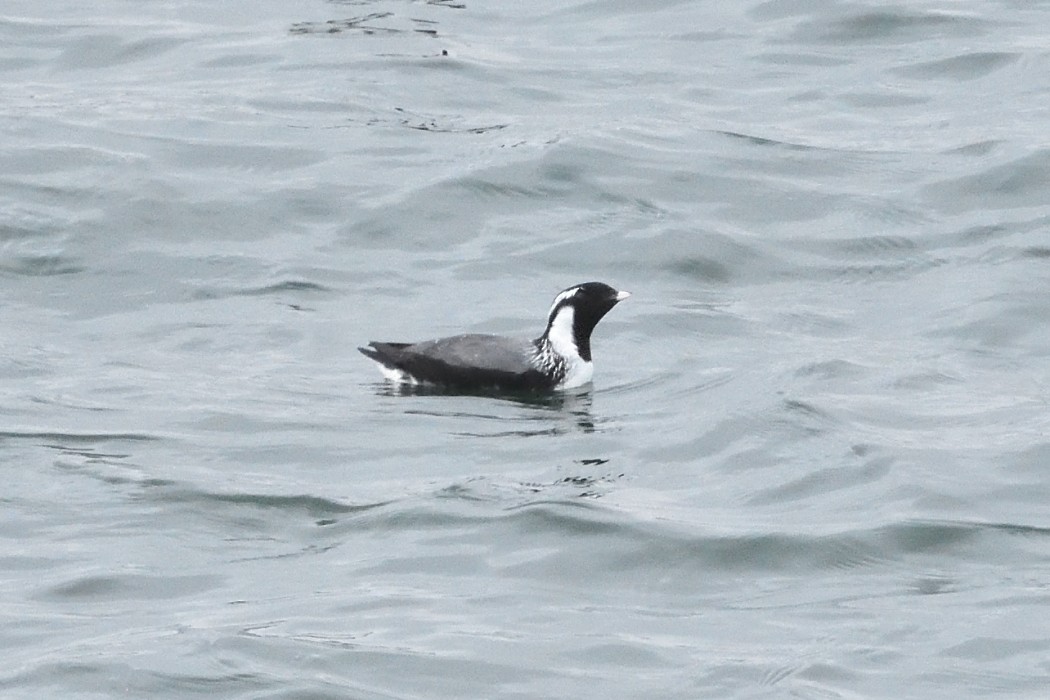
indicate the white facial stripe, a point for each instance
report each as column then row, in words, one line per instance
column 567, row 294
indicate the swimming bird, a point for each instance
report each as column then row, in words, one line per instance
column 558, row 359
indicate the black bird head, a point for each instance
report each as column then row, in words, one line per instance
column 574, row 314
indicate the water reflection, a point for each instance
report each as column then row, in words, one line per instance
column 558, row 412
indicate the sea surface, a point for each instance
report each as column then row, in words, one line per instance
column 815, row 458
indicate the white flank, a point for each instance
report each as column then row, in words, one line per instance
column 578, row 373
column 396, row 375
column 577, row 370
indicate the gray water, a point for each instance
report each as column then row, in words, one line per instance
column 815, row 458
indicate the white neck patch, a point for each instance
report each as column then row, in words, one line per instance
column 563, row 341
column 561, row 335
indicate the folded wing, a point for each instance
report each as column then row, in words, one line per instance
column 467, row 361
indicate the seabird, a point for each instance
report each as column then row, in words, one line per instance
column 558, row 359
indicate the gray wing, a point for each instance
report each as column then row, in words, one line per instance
column 487, row 352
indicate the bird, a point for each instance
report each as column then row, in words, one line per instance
column 559, row 359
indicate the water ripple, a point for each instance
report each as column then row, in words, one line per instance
column 1022, row 182
column 971, row 66
column 892, row 26
column 61, row 439
column 123, row 587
